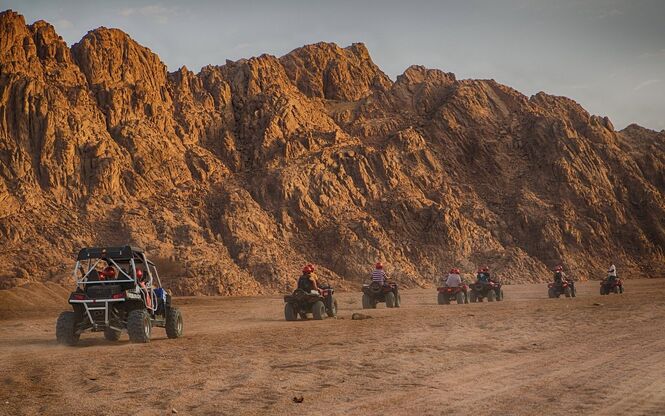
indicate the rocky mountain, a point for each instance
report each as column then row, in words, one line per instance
column 234, row 177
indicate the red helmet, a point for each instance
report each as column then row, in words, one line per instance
column 311, row 267
column 139, row 273
column 558, row 268
column 306, row 269
column 480, row 270
column 454, row 270
column 109, row 272
column 486, row 269
column 378, row 266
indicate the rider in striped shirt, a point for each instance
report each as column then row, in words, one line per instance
column 378, row 275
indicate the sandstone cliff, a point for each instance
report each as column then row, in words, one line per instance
column 234, row 177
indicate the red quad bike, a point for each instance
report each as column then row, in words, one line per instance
column 374, row 293
column 459, row 294
column 491, row 290
column 319, row 304
column 556, row 289
column 611, row 286
column 127, row 295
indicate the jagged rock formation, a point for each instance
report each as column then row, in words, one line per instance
column 234, row 177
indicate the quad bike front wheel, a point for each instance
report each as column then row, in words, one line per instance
column 65, row 328
column 174, row 324
column 112, row 334
column 318, row 310
column 139, row 326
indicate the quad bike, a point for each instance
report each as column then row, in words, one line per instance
column 459, row 294
column 564, row 287
column 318, row 303
column 127, row 295
column 491, row 290
column 374, row 293
column 608, row 286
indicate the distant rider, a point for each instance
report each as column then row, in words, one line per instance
column 378, row 275
column 483, row 275
column 454, row 278
column 612, row 273
column 559, row 276
column 307, row 281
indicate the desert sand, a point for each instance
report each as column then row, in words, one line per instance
column 528, row 355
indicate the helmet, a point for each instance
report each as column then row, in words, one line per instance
column 311, row 267
column 109, row 272
column 306, row 269
column 139, row 273
column 558, row 268
column 480, row 270
column 454, row 270
column 486, row 269
column 378, row 266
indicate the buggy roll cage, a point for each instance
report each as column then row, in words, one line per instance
column 113, row 256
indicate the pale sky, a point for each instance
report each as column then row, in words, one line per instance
column 609, row 55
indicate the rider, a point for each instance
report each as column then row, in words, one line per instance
column 454, row 279
column 378, row 275
column 559, row 275
column 612, row 273
column 483, row 275
column 307, row 281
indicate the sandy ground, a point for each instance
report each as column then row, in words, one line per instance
column 528, row 355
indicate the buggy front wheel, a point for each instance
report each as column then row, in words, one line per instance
column 174, row 323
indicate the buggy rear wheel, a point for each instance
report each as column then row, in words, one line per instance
column 173, row 323
column 290, row 313
column 390, row 300
column 139, row 326
column 65, row 328
column 112, row 334
column 318, row 310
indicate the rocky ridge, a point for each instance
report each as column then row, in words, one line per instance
column 235, row 176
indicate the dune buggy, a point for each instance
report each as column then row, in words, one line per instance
column 318, row 303
column 480, row 290
column 375, row 292
column 459, row 294
column 608, row 286
column 118, row 289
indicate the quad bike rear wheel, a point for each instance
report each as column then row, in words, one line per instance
column 551, row 293
column 616, row 290
column 499, row 295
column 602, row 290
column 390, row 300
column 318, row 310
column 566, row 291
column 573, row 291
column 112, row 334
column 466, row 297
column 367, row 301
column 621, row 289
column 139, row 326
column 460, row 298
column 398, row 300
column 174, row 323
column 473, row 297
column 65, row 328
column 290, row 313
column 491, row 296
column 441, row 299
column 331, row 309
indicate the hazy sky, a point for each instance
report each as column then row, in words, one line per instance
column 609, row 55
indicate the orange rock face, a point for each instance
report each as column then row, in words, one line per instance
column 234, row 177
